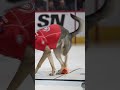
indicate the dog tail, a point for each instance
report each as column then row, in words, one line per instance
column 80, row 27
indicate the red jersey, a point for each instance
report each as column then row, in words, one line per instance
column 18, row 32
column 47, row 36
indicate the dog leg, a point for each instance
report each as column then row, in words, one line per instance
column 24, row 69
column 66, row 59
column 44, row 56
column 57, row 53
column 66, row 48
column 52, row 64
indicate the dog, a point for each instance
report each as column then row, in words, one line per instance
column 60, row 40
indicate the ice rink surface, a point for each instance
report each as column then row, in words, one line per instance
column 103, row 58
column 76, row 65
column 58, row 85
column 100, row 60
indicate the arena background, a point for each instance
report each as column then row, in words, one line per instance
column 59, row 13
column 68, row 22
column 61, row 9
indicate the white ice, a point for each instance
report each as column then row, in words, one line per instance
column 76, row 59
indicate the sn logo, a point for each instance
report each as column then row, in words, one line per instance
column 45, row 19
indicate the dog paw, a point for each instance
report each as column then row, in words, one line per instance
column 58, row 72
column 52, row 74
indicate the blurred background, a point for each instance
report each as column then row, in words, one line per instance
column 64, row 5
column 107, row 30
column 102, row 57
